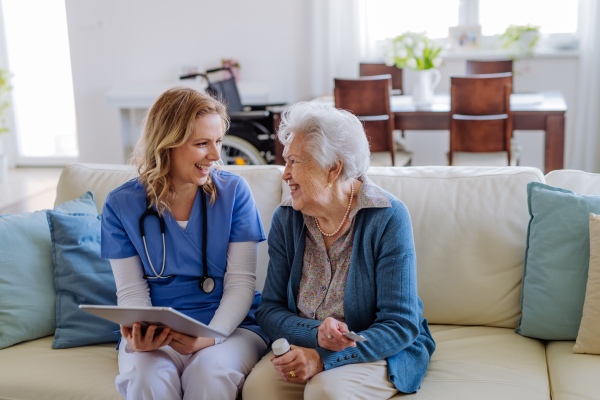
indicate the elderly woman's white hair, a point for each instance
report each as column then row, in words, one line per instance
column 331, row 135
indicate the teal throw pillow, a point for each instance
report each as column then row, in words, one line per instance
column 80, row 277
column 556, row 262
column 27, row 295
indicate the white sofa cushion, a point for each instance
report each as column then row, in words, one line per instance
column 470, row 230
column 469, row 363
column 264, row 181
column 572, row 376
column 473, row 363
column 33, row 371
column 578, row 181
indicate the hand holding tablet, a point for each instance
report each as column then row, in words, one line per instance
column 149, row 340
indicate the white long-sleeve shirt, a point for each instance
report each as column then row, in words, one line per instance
column 238, row 285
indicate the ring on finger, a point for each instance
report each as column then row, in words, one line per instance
column 292, row 374
column 329, row 336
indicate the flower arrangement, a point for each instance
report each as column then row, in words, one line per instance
column 412, row 50
column 520, row 38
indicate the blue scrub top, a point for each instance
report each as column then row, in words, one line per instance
column 232, row 218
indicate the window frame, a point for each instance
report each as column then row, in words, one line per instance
column 9, row 142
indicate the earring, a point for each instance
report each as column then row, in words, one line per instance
column 330, row 185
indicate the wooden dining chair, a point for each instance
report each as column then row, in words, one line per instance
column 481, row 120
column 374, row 69
column 369, row 99
column 476, row 67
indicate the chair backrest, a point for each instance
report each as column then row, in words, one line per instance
column 475, row 67
column 366, row 96
column 225, row 90
column 369, row 69
column 480, row 116
column 369, row 99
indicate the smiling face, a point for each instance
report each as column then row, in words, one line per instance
column 308, row 181
column 190, row 163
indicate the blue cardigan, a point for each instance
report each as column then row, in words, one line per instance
column 380, row 298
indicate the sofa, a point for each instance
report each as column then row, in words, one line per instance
column 470, row 228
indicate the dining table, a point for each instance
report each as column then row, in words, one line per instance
column 543, row 111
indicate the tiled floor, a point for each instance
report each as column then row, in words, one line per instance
column 28, row 189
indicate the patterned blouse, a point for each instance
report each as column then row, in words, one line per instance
column 321, row 292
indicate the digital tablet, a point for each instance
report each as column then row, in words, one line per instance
column 162, row 317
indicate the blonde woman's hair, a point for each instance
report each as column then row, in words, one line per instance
column 168, row 125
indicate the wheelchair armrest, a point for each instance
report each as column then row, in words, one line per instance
column 249, row 114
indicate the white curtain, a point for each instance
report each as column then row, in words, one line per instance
column 583, row 147
column 335, row 42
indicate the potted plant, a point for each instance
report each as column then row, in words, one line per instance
column 520, row 39
column 5, row 87
column 417, row 52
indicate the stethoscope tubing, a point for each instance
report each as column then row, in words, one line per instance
column 207, row 283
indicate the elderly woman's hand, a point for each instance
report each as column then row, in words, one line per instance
column 298, row 365
column 331, row 336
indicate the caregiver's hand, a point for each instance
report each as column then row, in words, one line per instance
column 304, row 363
column 186, row 345
column 148, row 342
column 331, row 336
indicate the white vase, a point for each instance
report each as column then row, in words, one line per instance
column 425, row 83
column 3, row 167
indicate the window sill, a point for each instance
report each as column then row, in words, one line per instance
column 499, row 54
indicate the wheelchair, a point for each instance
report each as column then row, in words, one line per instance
column 251, row 138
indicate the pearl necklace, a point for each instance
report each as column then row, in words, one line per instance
column 345, row 215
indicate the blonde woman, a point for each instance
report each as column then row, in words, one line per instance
column 205, row 270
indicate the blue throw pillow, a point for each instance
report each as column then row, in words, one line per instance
column 80, row 277
column 27, row 295
column 556, row 262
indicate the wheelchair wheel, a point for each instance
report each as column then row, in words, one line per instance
column 237, row 151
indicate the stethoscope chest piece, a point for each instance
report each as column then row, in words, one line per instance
column 207, row 284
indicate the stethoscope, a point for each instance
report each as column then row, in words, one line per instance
column 207, row 283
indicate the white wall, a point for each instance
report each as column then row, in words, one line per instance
column 134, row 41
column 121, row 42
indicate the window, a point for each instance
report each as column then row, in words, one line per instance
column 389, row 18
column 38, row 57
column 381, row 19
column 552, row 16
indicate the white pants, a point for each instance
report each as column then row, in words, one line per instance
column 362, row 381
column 216, row 372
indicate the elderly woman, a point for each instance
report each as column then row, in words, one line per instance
column 342, row 259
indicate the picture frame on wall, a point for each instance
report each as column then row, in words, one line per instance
column 465, row 37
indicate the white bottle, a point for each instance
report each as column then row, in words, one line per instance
column 280, row 347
